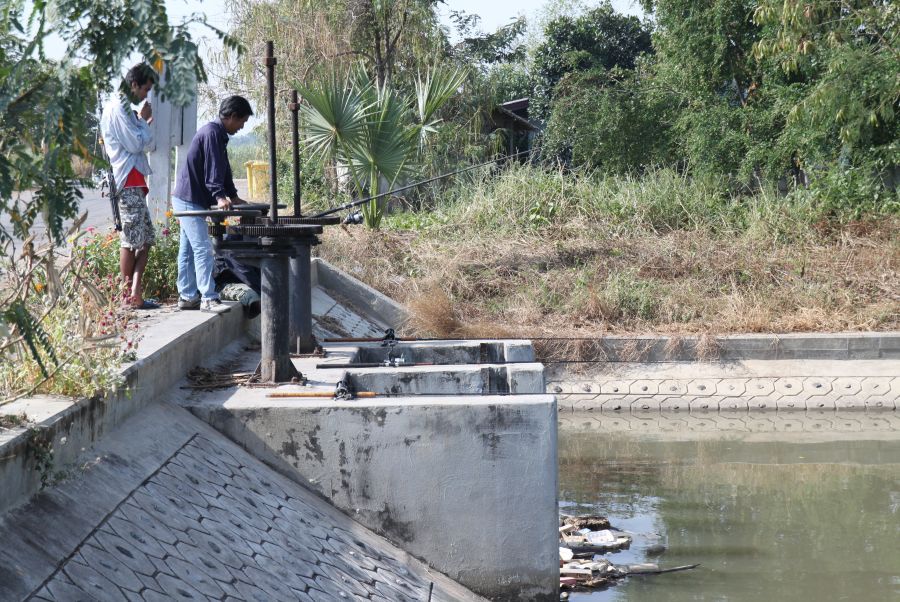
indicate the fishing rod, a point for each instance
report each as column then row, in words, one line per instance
column 358, row 202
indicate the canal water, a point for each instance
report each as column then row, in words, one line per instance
column 769, row 516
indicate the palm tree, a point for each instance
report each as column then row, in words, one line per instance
column 371, row 130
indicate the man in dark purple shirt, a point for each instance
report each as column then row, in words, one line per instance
column 205, row 182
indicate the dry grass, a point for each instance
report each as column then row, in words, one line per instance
column 474, row 273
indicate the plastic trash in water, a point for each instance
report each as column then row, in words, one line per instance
column 601, row 538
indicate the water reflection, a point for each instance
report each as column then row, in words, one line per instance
column 769, row 519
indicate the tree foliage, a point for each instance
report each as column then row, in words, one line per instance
column 599, row 39
column 798, row 92
column 505, row 45
column 47, row 110
column 848, row 57
column 392, row 34
column 46, row 106
column 372, row 130
column 611, row 120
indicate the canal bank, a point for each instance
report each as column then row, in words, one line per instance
column 775, row 469
column 450, row 469
column 769, row 513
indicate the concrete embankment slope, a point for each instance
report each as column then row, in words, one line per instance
column 166, row 508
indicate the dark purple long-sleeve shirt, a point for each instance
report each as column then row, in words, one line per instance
column 206, row 174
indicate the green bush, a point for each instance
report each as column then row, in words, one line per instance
column 101, row 254
column 612, row 121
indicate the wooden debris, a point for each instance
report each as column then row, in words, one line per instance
column 207, row 380
column 592, row 522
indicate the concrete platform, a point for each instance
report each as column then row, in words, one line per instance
column 459, row 477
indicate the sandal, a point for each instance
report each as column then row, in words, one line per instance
column 148, row 304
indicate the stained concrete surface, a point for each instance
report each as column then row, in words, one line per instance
column 460, row 478
column 166, row 508
column 438, row 499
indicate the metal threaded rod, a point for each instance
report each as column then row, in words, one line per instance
column 294, row 106
column 270, row 98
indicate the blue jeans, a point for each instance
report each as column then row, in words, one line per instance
column 195, row 255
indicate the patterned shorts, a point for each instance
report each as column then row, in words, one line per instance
column 137, row 227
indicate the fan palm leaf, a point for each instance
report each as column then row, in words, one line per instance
column 432, row 93
column 334, row 117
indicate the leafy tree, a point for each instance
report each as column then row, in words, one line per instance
column 46, row 110
column 505, row 45
column 388, row 33
column 612, row 120
column 45, row 105
column 599, row 39
column 705, row 47
column 847, row 54
column 704, row 57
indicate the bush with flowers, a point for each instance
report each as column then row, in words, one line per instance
column 101, row 252
column 63, row 327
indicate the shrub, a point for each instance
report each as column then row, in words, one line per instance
column 70, row 333
column 612, row 121
column 101, row 252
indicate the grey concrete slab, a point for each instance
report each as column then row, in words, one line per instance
column 163, row 541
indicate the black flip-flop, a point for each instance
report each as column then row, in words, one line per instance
column 148, row 304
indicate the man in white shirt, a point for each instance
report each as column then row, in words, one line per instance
column 126, row 135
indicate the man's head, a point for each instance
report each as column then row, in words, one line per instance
column 139, row 80
column 234, row 113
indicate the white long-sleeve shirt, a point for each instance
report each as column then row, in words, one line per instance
column 127, row 139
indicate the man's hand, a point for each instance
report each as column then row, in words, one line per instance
column 223, row 203
column 146, row 111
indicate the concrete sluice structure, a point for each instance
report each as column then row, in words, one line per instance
column 443, row 486
column 440, row 485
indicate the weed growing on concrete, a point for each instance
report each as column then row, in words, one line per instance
column 40, row 448
column 75, row 330
column 9, row 421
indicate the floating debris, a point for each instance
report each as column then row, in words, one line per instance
column 581, row 537
column 588, row 521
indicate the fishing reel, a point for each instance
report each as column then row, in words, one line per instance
column 354, row 218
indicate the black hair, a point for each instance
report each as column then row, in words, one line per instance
column 140, row 74
column 235, row 105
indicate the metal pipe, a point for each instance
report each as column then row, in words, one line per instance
column 275, row 364
column 294, row 106
column 300, row 306
column 270, row 98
